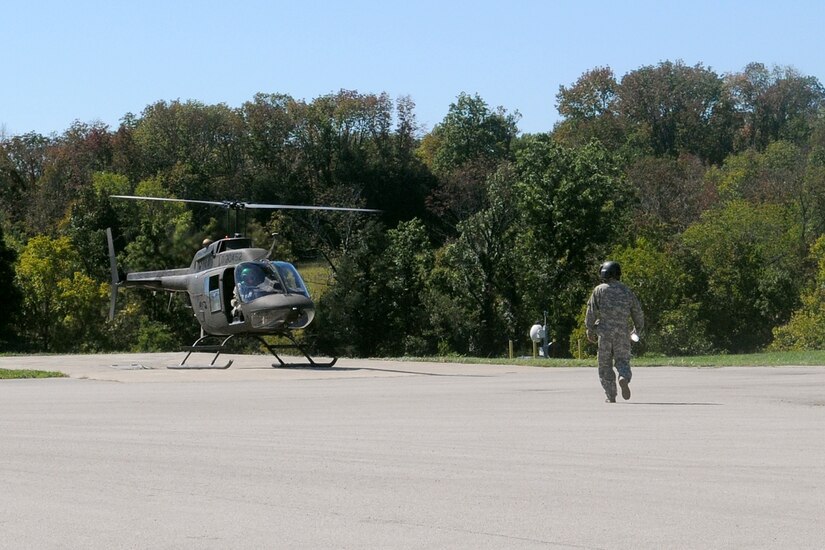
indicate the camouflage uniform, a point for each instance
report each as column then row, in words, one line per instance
column 609, row 310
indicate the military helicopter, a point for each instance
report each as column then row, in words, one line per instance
column 234, row 289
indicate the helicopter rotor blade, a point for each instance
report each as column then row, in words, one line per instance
column 140, row 198
column 239, row 205
column 300, row 207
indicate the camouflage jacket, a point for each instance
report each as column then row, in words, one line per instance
column 611, row 306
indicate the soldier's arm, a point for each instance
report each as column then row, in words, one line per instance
column 592, row 313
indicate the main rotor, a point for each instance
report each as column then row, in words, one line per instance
column 241, row 206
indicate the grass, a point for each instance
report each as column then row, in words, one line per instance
column 767, row 359
column 8, row 374
column 316, row 275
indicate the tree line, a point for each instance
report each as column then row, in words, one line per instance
column 708, row 188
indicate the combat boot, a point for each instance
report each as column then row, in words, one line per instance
column 610, row 398
column 624, row 383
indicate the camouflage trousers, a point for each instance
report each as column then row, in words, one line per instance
column 614, row 351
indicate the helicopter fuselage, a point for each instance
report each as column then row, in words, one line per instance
column 233, row 289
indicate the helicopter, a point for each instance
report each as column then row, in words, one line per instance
column 233, row 289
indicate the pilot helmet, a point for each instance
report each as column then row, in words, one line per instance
column 251, row 275
column 610, row 270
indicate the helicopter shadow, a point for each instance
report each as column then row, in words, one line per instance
column 676, row 403
column 352, row 369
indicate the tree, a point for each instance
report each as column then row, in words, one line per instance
column 351, row 314
column 409, row 259
column 806, row 328
column 62, row 307
column 670, row 289
column 204, row 141
column 752, row 265
column 672, row 194
column 780, row 174
column 678, row 109
column 774, row 104
column 475, row 277
column 589, row 110
column 463, row 150
column 574, row 204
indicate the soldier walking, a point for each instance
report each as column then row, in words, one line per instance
column 609, row 311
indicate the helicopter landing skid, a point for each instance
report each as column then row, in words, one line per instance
column 217, row 349
column 311, row 363
column 200, row 347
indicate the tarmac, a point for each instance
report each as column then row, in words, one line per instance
column 126, row 453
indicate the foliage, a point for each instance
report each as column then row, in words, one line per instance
column 352, row 312
column 709, row 189
column 11, row 296
column 749, row 258
column 481, row 286
column 573, row 204
column 806, row 328
column 463, row 151
column 773, row 104
column 677, row 109
column 62, row 306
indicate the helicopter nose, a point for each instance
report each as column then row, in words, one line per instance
column 274, row 312
column 301, row 317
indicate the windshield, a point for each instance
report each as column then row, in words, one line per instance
column 256, row 279
column 291, row 278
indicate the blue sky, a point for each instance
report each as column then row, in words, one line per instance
column 98, row 60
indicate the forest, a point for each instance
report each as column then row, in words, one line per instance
column 708, row 188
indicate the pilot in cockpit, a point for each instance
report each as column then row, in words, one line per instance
column 250, row 283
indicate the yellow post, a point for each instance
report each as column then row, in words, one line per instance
column 579, row 342
column 511, row 349
column 534, row 350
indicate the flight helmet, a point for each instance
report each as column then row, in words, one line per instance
column 610, row 270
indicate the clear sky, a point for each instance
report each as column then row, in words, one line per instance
column 89, row 60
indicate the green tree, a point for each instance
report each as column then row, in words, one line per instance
column 574, row 204
column 352, row 313
column 672, row 194
column 62, row 307
column 463, row 151
column 203, row 141
column 806, row 328
column 752, row 265
column 774, row 104
column 589, row 110
column 670, row 290
column 153, row 235
column 409, row 259
column 677, row 109
column 784, row 174
column 475, row 277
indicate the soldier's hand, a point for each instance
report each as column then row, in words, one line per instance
column 590, row 337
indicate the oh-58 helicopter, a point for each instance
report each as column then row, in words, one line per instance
column 233, row 288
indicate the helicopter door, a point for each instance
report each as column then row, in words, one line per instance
column 228, row 285
column 214, row 289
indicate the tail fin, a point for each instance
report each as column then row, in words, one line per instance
column 115, row 275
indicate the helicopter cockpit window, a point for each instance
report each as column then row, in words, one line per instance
column 291, row 278
column 256, row 279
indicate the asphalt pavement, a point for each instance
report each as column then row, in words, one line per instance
column 380, row 454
